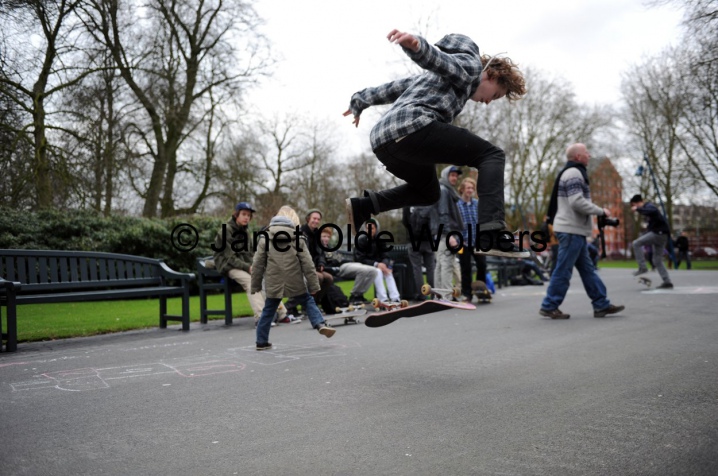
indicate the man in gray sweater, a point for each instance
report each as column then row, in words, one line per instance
column 571, row 209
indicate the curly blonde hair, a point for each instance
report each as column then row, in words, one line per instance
column 507, row 75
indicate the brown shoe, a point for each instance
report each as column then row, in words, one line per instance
column 554, row 314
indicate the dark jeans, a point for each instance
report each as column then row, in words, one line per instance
column 465, row 263
column 413, row 160
column 423, row 255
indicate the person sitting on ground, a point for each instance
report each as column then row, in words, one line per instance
column 287, row 269
column 362, row 274
column 369, row 252
column 310, row 229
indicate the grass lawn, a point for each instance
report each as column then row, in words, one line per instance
column 705, row 264
column 37, row 322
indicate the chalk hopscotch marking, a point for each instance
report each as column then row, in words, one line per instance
column 98, row 378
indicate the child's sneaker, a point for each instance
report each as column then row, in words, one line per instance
column 325, row 330
column 264, row 346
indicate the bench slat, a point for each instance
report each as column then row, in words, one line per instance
column 84, row 265
column 21, row 274
column 102, row 263
column 32, row 270
column 64, row 270
column 54, row 276
column 74, row 276
column 42, row 269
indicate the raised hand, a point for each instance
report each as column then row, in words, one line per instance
column 406, row 40
column 356, row 118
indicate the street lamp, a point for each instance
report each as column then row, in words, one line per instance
column 639, row 173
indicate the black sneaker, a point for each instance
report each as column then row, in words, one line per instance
column 265, row 346
column 554, row 314
column 357, row 214
column 640, row 271
column 609, row 310
column 665, row 285
column 357, row 299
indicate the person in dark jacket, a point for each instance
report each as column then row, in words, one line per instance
column 682, row 245
column 656, row 236
column 370, row 252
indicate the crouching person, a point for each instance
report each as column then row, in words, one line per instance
column 284, row 267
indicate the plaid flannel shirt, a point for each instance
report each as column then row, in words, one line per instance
column 470, row 215
column 453, row 72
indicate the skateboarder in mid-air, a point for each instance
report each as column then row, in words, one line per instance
column 416, row 133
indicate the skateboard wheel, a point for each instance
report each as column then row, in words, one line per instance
column 338, row 309
column 425, row 289
column 351, row 308
column 375, row 302
column 404, row 303
column 456, row 292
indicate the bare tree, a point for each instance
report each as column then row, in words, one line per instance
column 534, row 133
column 172, row 55
column 653, row 115
column 31, row 76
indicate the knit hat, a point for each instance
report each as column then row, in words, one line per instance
column 636, row 198
column 372, row 221
column 456, row 169
column 313, row 210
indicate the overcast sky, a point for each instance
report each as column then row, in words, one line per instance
column 331, row 48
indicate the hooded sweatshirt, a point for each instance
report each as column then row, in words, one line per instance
column 283, row 266
column 446, row 211
column 453, row 72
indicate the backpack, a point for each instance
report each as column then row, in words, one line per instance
column 420, row 216
column 334, row 298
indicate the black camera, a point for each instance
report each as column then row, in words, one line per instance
column 604, row 221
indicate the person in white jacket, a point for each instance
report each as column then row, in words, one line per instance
column 571, row 210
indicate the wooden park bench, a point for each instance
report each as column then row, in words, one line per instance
column 43, row 276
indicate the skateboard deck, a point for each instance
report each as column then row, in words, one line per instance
column 427, row 307
column 479, row 289
column 645, row 281
column 349, row 317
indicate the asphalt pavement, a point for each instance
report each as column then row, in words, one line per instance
column 496, row 391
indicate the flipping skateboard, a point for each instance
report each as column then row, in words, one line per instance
column 441, row 294
column 380, row 319
column 388, row 306
column 644, row 281
column 350, row 317
column 479, row 289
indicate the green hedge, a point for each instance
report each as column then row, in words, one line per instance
column 86, row 230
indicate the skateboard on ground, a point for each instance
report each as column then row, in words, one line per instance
column 479, row 289
column 388, row 306
column 349, row 308
column 645, row 281
column 349, row 317
column 383, row 318
column 441, row 294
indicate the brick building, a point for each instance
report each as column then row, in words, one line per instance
column 607, row 192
